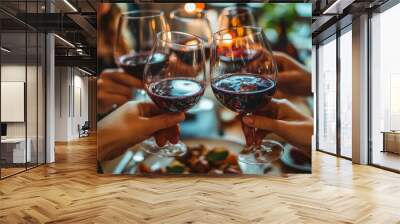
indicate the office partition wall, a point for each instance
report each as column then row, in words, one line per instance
column 22, row 76
column 15, row 150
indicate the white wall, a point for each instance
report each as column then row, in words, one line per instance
column 33, row 127
column 71, row 94
column 16, row 73
column 61, row 104
column 10, row 73
column 81, row 94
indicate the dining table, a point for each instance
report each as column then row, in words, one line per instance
column 196, row 131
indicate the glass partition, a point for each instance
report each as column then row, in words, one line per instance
column 327, row 96
column 346, row 93
column 22, row 88
column 14, row 145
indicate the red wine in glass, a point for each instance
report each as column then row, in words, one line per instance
column 243, row 93
column 133, row 64
column 135, row 37
column 176, row 94
column 180, row 84
column 243, row 79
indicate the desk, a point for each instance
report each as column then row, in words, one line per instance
column 13, row 150
column 391, row 141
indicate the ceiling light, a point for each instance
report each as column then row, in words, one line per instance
column 70, row 5
column 5, row 50
column 84, row 71
column 337, row 7
column 329, row 9
column 65, row 41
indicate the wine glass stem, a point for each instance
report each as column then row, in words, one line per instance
column 252, row 131
column 247, row 130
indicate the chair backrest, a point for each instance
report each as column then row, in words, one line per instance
column 86, row 124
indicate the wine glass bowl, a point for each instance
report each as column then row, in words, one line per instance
column 243, row 78
column 243, row 73
column 236, row 16
column 179, row 84
column 136, row 34
column 195, row 22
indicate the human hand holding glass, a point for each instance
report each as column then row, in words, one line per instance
column 132, row 123
column 241, row 86
column 114, row 89
column 281, row 117
column 294, row 78
column 172, row 86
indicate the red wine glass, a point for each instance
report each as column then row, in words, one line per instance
column 136, row 35
column 195, row 22
column 178, row 83
column 243, row 78
column 236, row 16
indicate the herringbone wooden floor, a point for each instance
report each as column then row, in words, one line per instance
column 70, row 191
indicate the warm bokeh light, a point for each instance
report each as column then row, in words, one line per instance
column 190, row 7
column 227, row 39
column 200, row 6
column 191, row 42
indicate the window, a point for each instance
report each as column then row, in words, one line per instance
column 385, row 89
column 346, row 75
column 327, row 96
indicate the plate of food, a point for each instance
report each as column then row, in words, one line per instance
column 203, row 156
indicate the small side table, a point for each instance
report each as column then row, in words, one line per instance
column 391, row 141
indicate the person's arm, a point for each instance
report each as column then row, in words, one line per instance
column 132, row 123
column 114, row 88
column 293, row 77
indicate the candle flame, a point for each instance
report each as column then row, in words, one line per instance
column 227, row 39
